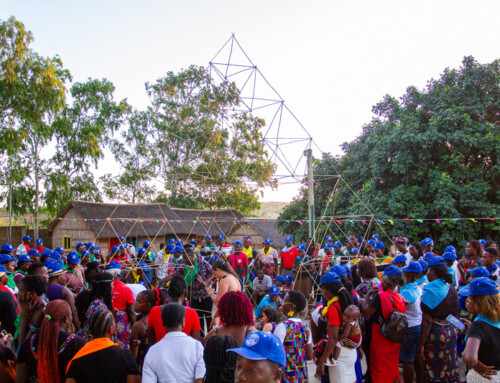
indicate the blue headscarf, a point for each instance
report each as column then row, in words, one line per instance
column 434, row 293
column 410, row 292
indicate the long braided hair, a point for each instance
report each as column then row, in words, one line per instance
column 100, row 322
column 47, row 367
column 220, row 364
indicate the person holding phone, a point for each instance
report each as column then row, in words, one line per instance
column 439, row 299
column 482, row 350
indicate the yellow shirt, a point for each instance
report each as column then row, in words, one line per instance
column 384, row 261
column 249, row 252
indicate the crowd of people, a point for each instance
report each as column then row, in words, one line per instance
column 241, row 312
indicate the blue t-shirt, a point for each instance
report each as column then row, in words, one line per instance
column 266, row 301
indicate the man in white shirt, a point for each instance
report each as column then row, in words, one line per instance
column 186, row 364
column 24, row 247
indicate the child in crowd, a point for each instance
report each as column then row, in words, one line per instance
column 296, row 337
column 350, row 333
column 139, row 346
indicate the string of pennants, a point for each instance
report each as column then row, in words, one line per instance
column 300, row 222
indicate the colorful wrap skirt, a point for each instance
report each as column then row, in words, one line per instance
column 440, row 354
column 122, row 330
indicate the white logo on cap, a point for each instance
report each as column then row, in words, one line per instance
column 252, row 340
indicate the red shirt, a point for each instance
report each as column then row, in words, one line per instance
column 288, row 257
column 240, row 259
column 154, row 321
column 121, row 295
column 334, row 315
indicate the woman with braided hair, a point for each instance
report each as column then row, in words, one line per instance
column 236, row 316
column 99, row 299
column 219, row 363
column 47, row 353
column 101, row 360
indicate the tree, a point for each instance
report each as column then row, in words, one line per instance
column 206, row 155
column 33, row 92
column 138, row 163
column 82, row 131
column 432, row 154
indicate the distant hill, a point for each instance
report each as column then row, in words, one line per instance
column 271, row 210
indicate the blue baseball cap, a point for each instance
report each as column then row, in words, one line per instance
column 329, row 278
column 337, row 244
column 39, row 241
column 54, row 268
column 481, row 286
column 426, row 241
column 339, row 270
column 435, row 261
column 208, row 237
column 170, row 247
column 399, row 259
column 354, row 251
column 423, row 264
column 328, row 239
column 289, row 277
column 178, row 249
column 413, row 267
column 55, row 256
column 428, row 256
column 289, row 239
column 142, row 251
column 482, row 242
column 328, row 245
column 125, row 245
column 173, row 240
column 379, row 245
column 302, row 247
column 114, row 267
column 222, row 236
column 89, row 245
column 375, row 236
column 47, row 252
column 122, row 238
column 79, row 244
column 59, row 250
column 450, row 249
column 91, row 248
column 450, row 256
column 193, row 241
column 146, row 244
column 7, row 247
column 27, row 238
column 262, row 345
column 179, row 242
column 24, row 258
column 479, row 272
column 142, row 264
column 239, row 243
column 6, row 258
column 114, row 249
column 3, row 271
column 34, row 252
column 347, row 270
column 72, row 257
column 393, row 271
column 280, row 278
column 371, row 242
column 268, row 240
column 274, row 290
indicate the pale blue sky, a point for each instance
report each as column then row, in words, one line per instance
column 330, row 60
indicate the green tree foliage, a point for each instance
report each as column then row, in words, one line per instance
column 205, row 154
column 432, row 154
column 138, row 163
column 82, row 131
column 46, row 145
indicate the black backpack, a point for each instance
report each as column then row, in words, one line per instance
column 395, row 326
